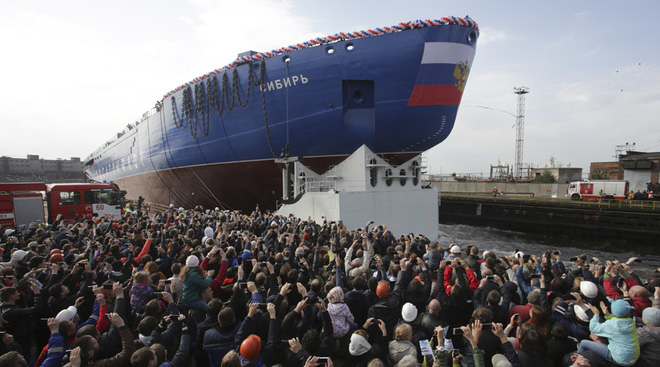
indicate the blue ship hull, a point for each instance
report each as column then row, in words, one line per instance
column 213, row 142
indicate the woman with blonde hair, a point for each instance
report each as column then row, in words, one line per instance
column 401, row 346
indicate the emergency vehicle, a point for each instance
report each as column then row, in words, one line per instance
column 24, row 203
column 598, row 189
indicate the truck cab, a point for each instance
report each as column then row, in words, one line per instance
column 83, row 201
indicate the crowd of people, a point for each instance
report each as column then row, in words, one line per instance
column 221, row 288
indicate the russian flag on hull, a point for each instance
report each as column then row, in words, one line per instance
column 442, row 74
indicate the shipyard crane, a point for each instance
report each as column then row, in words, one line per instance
column 520, row 130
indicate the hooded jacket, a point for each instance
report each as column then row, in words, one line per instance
column 208, row 234
column 649, row 343
column 622, row 336
column 340, row 314
column 399, row 349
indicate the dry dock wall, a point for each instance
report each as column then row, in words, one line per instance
column 595, row 219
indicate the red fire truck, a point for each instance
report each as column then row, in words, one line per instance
column 24, row 203
column 598, row 189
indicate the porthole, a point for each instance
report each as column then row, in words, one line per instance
column 373, row 172
column 350, row 47
column 403, row 178
column 330, row 50
column 471, row 37
column 415, row 167
column 286, row 59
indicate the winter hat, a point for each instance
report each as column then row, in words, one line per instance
column 192, row 261
column 336, row 295
column 652, row 315
column 208, row 232
column 300, row 252
column 455, row 250
column 621, row 308
column 589, row 289
column 307, row 237
column 19, row 255
column 67, row 314
column 499, row 360
column 409, row 312
column 359, row 345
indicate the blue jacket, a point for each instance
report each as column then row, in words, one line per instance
column 55, row 351
column 622, row 337
column 218, row 342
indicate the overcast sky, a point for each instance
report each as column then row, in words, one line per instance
column 74, row 73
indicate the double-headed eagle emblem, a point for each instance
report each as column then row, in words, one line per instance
column 461, row 72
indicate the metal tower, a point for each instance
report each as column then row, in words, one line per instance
column 520, row 130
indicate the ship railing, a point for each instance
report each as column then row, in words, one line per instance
column 128, row 128
column 311, row 185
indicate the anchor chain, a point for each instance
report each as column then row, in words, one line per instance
column 174, row 113
column 203, row 98
column 189, row 111
column 263, row 103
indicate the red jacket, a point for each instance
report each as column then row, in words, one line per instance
column 472, row 279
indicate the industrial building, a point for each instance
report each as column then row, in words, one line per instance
column 34, row 168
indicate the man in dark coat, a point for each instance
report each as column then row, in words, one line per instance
column 388, row 305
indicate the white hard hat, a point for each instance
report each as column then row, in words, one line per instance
column 409, row 312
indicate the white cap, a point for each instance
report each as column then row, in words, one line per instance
column 589, row 289
column 67, row 314
column 455, row 249
column 19, row 255
column 192, row 261
column 9, row 231
column 409, row 312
